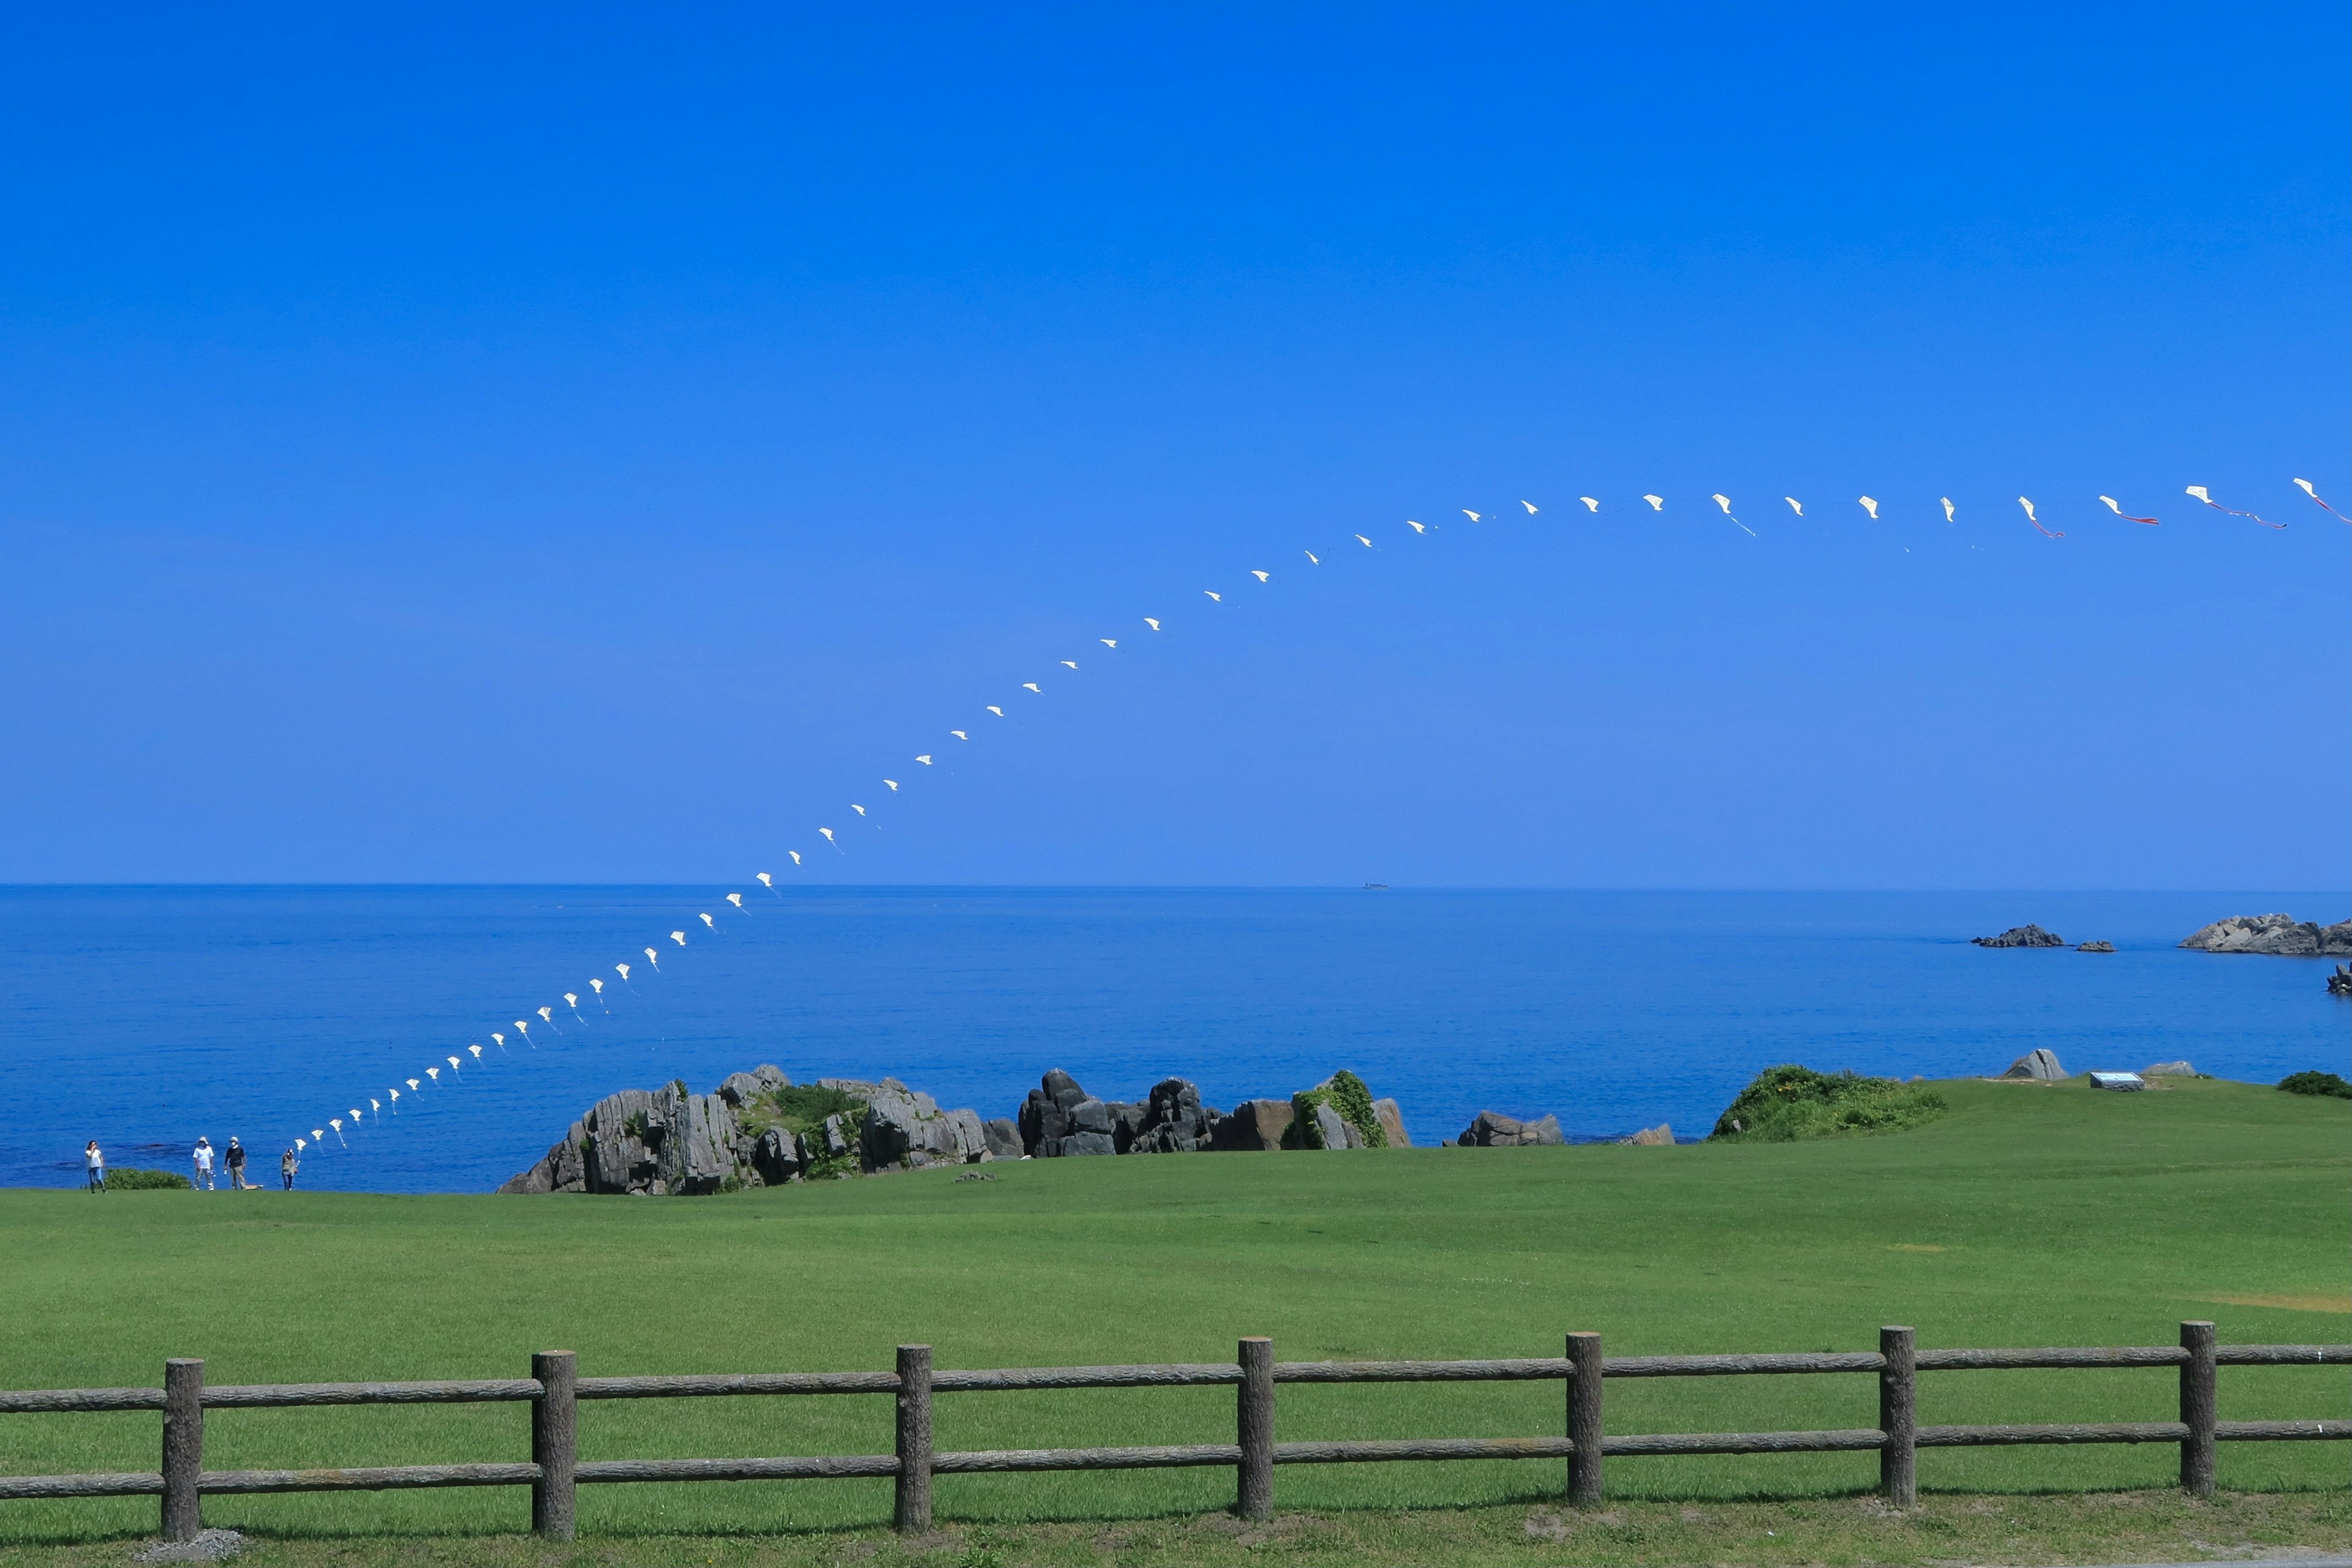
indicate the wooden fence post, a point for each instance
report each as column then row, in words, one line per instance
column 1584, row 1420
column 1898, row 1416
column 1254, row 1418
column 183, row 1448
column 912, row 1516
column 2198, row 1402
column 554, row 1443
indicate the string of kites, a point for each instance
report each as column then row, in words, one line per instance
column 455, row 1065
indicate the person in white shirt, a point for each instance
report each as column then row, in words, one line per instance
column 205, row 1165
column 93, row 1161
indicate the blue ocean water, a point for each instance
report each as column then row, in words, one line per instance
column 142, row 1016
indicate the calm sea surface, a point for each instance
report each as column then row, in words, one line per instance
column 143, row 1017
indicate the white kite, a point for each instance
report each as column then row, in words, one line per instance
column 547, row 1015
column 893, row 784
column 454, row 1064
column 625, row 974
column 796, row 860
column 411, row 1085
column 1795, row 505
column 572, row 1000
column 355, row 1116
column 1261, row 576
column 1212, row 594
column 925, row 759
column 1359, row 539
column 2201, row 493
column 764, row 881
column 2305, row 486
column 337, row 1124
column 300, row 1144
column 1657, row 503
column 377, row 1105
column 1070, row 663
column 1871, row 507
column 1590, row 504
column 1949, row 510
column 678, row 937
column 1152, row 624
column 1416, row 526
column 737, row 898
column 1312, row 559
column 2125, row 515
column 525, row 1030
column 826, row 834
column 653, row 958
column 857, row 808
column 1108, row 642
column 598, row 987
column 318, row 1134
column 960, row 735
column 992, row 708
column 498, row 1039
column 1724, row 502
column 1530, row 505
column 2036, row 520
column 1031, row 686
column 1471, row 515
column 475, row 1051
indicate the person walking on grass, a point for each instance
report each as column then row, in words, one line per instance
column 93, row 1160
column 204, row 1182
column 235, row 1162
column 286, row 1165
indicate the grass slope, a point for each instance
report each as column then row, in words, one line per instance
column 2029, row 1215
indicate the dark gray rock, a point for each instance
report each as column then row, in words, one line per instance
column 1003, row 1139
column 2168, row 1069
column 1045, row 1114
column 1087, row 1144
column 1174, row 1121
column 742, row 1088
column 2022, row 936
column 2040, row 1063
column 1091, row 1115
column 2279, row 935
column 1255, row 1125
column 777, row 1155
column 1493, row 1130
column 2096, row 947
column 2340, row 983
column 1333, row 1129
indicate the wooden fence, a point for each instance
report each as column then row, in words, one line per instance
column 554, row 1390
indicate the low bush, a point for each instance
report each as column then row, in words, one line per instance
column 2325, row 1083
column 132, row 1180
column 1789, row 1102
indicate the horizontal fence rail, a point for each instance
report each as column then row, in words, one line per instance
column 554, row 1390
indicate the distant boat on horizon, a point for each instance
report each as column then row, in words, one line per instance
column 1376, row 887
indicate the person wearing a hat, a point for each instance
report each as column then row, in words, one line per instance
column 203, row 1181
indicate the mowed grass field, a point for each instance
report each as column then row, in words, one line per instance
column 2030, row 1215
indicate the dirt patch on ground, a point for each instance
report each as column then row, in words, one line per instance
column 2317, row 1301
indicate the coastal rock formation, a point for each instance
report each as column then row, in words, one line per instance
column 2280, row 934
column 2340, row 983
column 2022, row 936
column 669, row 1141
column 1391, row 1122
column 2168, row 1069
column 2097, row 947
column 2040, row 1063
column 1003, row 1138
column 1659, row 1136
column 1493, row 1130
column 1255, row 1125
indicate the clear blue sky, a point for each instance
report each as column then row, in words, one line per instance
column 594, row 444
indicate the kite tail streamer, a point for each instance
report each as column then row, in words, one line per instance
column 2201, row 493
column 2125, row 515
column 2037, row 521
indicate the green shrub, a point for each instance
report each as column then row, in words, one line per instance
column 2325, row 1083
column 1789, row 1102
column 134, row 1180
column 802, row 1107
column 1346, row 1095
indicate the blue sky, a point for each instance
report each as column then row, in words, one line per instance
column 593, row 445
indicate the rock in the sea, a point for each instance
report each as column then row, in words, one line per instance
column 1659, row 1136
column 2340, row 983
column 2168, row 1069
column 2040, row 1063
column 1493, row 1130
column 2022, row 936
column 1392, row 1122
column 1255, row 1125
column 2279, row 935
column 2096, row 947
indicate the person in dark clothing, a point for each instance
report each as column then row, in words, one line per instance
column 235, row 1159
column 286, row 1165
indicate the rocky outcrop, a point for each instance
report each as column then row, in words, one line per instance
column 1493, row 1130
column 2096, row 947
column 1391, row 1122
column 2340, row 983
column 1659, row 1136
column 1255, row 1125
column 2022, row 936
column 2168, row 1069
column 671, row 1143
column 2283, row 935
column 2040, row 1063
column 1174, row 1121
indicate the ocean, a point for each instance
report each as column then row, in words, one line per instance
column 143, row 1017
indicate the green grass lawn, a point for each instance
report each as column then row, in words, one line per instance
column 2029, row 1215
